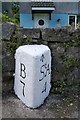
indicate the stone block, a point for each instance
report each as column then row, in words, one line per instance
column 58, row 35
column 34, row 33
column 7, row 62
column 32, row 74
column 7, row 30
column 73, row 51
column 49, row 35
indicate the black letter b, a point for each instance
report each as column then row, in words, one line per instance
column 22, row 71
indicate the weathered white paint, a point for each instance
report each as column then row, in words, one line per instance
column 43, row 8
column 32, row 74
column 38, row 17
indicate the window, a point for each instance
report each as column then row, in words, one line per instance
column 41, row 22
column 71, row 20
column 78, row 19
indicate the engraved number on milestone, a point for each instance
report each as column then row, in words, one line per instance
column 45, row 86
column 23, row 87
column 45, row 70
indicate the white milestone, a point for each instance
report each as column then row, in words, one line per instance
column 32, row 74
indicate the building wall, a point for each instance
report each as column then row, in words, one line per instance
column 63, row 20
column 66, row 7
column 61, row 12
column 7, row 7
column 26, row 20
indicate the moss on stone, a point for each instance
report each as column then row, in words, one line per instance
column 70, row 43
column 69, row 62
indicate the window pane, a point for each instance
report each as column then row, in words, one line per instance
column 71, row 20
column 78, row 19
column 41, row 22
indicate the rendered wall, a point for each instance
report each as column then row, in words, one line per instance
column 63, row 20
column 27, row 22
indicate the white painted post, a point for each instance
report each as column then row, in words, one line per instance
column 32, row 74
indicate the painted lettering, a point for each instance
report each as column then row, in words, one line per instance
column 22, row 71
column 44, row 70
column 45, row 86
column 23, row 87
column 42, row 58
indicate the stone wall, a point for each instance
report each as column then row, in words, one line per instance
column 64, row 44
